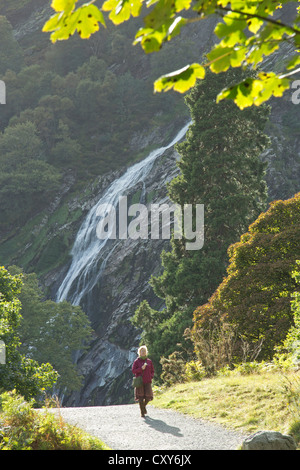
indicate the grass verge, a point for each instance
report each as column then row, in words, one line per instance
column 247, row 403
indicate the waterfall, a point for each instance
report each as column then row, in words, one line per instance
column 89, row 258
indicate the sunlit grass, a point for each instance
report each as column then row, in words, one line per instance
column 246, row 403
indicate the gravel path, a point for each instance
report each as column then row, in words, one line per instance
column 122, row 428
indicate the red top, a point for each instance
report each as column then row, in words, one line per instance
column 147, row 374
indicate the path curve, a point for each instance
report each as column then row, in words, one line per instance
column 122, row 428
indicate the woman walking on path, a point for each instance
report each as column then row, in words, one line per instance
column 143, row 366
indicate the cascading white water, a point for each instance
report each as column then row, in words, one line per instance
column 88, row 261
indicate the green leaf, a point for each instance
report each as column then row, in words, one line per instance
column 63, row 25
column 273, row 32
column 53, row 23
column 122, row 10
column 163, row 12
column 88, row 21
column 259, row 51
column 294, row 62
column 180, row 80
column 205, row 7
column 254, row 24
column 85, row 20
column 161, row 24
column 63, row 5
column 255, row 91
column 182, row 5
column 272, row 85
column 232, row 29
column 240, row 94
column 151, row 39
column 219, row 59
column 237, row 57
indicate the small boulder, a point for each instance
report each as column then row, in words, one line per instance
column 269, row 440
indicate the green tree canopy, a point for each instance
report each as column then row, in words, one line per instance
column 18, row 372
column 26, row 181
column 248, row 32
column 255, row 296
column 50, row 331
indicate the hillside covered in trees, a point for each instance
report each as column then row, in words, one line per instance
column 70, row 107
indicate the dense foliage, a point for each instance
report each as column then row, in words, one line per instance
column 23, row 428
column 255, row 296
column 38, row 331
column 50, row 331
column 248, row 33
column 292, row 341
column 70, row 107
column 18, row 372
column 220, row 168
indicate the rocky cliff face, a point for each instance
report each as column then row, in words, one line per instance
column 283, row 154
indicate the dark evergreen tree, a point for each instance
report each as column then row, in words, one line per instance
column 220, row 168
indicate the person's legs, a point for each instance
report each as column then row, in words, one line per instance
column 146, row 401
column 148, row 395
column 142, row 407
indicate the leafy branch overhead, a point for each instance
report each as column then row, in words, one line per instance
column 248, row 32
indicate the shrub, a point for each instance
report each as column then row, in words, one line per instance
column 23, row 428
column 214, row 345
column 173, row 368
column 292, row 341
column 194, row 371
